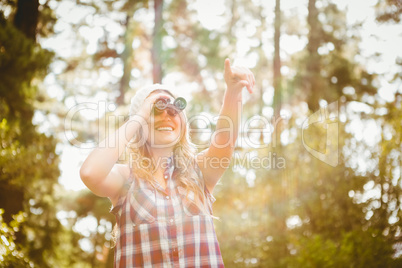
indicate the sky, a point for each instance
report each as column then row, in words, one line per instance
column 385, row 39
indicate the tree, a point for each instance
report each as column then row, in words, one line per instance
column 277, row 60
column 389, row 10
column 131, row 30
column 28, row 159
column 157, row 42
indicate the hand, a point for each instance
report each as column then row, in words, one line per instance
column 146, row 108
column 237, row 78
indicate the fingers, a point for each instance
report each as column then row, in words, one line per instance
column 228, row 69
column 241, row 75
column 154, row 97
column 148, row 103
column 247, row 79
column 245, row 83
column 251, row 80
column 160, row 94
column 248, row 85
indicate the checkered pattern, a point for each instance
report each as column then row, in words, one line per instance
column 163, row 227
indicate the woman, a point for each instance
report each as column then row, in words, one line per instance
column 162, row 199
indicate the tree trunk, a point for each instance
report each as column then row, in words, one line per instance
column 313, row 79
column 126, row 57
column 26, row 17
column 277, row 79
column 277, row 61
column 157, row 42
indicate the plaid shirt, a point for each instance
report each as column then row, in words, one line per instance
column 163, row 228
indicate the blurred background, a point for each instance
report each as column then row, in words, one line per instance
column 325, row 115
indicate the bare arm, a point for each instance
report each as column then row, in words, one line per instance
column 214, row 160
column 99, row 172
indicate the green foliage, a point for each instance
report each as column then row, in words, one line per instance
column 12, row 254
column 350, row 249
column 29, row 165
column 20, row 61
column 332, row 230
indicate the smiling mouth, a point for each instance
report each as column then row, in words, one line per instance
column 164, row 129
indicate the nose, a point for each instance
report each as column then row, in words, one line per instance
column 164, row 114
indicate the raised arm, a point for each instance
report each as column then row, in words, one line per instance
column 214, row 160
column 99, row 172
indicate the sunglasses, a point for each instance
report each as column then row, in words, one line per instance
column 162, row 104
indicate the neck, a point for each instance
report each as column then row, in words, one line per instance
column 160, row 157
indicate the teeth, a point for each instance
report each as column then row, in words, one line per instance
column 165, row 128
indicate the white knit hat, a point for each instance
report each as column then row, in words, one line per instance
column 142, row 94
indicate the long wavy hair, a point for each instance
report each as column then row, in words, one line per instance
column 142, row 164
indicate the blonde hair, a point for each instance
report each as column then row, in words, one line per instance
column 140, row 160
column 141, row 165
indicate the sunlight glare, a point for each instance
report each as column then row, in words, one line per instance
column 210, row 18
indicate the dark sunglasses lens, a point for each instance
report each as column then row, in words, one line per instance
column 171, row 111
column 157, row 111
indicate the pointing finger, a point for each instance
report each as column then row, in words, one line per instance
column 228, row 69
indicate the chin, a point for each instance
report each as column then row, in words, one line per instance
column 167, row 141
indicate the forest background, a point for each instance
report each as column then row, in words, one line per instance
column 326, row 114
